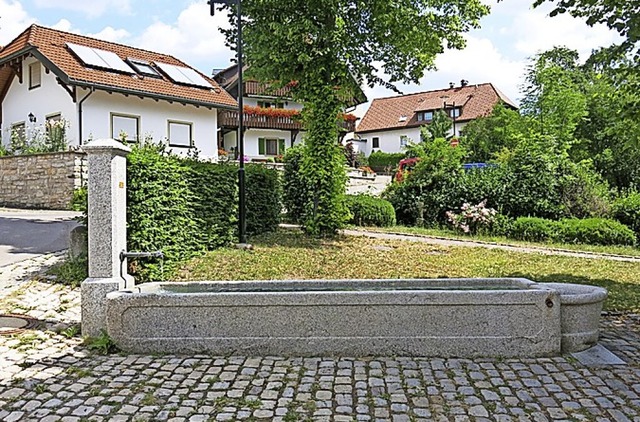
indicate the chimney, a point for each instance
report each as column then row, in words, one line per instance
column 464, row 83
column 451, row 85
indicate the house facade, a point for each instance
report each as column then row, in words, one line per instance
column 272, row 119
column 101, row 89
column 391, row 123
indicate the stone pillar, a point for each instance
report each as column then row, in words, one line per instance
column 107, row 221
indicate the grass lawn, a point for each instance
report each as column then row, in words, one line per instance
column 450, row 234
column 291, row 255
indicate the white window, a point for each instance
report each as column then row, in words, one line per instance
column 180, row 134
column 270, row 104
column 404, row 140
column 454, row 112
column 125, row 127
column 35, row 75
column 425, row 116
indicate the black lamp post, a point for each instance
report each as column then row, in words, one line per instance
column 453, row 114
column 242, row 221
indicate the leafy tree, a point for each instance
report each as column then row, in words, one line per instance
column 504, row 128
column 554, row 94
column 439, row 126
column 323, row 49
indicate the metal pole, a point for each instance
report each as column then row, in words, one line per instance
column 242, row 224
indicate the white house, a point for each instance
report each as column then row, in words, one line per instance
column 106, row 90
column 271, row 118
column 390, row 123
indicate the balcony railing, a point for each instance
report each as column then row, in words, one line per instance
column 229, row 119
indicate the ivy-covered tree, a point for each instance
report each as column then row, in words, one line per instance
column 439, row 127
column 324, row 49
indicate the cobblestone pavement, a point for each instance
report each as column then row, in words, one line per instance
column 46, row 374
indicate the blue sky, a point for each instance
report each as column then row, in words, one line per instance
column 497, row 53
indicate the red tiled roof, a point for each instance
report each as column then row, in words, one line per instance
column 387, row 113
column 51, row 44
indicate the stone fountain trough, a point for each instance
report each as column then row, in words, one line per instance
column 506, row 317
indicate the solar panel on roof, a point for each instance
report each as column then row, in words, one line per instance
column 99, row 58
column 183, row 75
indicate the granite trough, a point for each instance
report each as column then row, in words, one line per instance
column 420, row 317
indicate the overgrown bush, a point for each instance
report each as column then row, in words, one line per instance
column 626, row 209
column 534, row 229
column 473, row 219
column 384, row 162
column 295, row 192
column 367, row 210
column 595, row 231
column 263, row 199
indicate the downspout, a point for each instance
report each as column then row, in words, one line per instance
column 80, row 114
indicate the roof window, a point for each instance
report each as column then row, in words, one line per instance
column 144, row 68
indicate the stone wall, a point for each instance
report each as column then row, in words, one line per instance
column 43, row 181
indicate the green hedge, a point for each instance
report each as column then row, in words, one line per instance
column 184, row 207
column 626, row 209
column 295, row 193
column 596, row 231
column 384, row 161
column 591, row 231
column 534, row 229
column 368, row 210
column 264, row 199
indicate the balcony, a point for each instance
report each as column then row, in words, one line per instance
column 270, row 119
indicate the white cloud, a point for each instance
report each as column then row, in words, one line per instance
column 92, row 8
column 13, row 20
column 194, row 38
column 112, row 34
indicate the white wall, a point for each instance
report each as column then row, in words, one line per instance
column 48, row 99
column 153, row 119
column 390, row 139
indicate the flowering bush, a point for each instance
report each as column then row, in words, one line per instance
column 270, row 112
column 472, row 218
column 366, row 169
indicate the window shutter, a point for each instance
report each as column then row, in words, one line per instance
column 281, row 146
column 261, row 146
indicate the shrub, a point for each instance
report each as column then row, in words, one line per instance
column 384, row 162
column 595, row 231
column 534, row 229
column 263, row 199
column 472, row 218
column 583, row 192
column 368, row 210
column 295, row 192
column 626, row 210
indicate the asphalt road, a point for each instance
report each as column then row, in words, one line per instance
column 25, row 234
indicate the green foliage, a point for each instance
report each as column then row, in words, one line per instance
column 367, row 210
column 295, row 194
column 485, row 137
column 103, row 344
column 439, row 127
column 79, row 203
column 592, row 231
column 71, row 272
column 596, row 231
column 263, row 199
column 534, row 229
column 626, row 209
column 322, row 166
column 384, row 161
column 429, row 190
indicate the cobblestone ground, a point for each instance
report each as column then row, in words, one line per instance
column 46, row 374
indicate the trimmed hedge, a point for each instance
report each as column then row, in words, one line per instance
column 384, row 161
column 295, row 193
column 596, row 231
column 367, row 210
column 591, row 231
column 534, row 229
column 626, row 210
column 263, row 198
column 184, row 207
